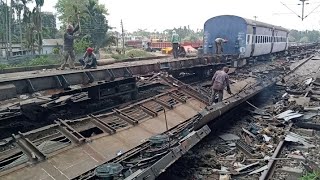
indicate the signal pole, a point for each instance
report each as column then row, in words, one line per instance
column 255, row 18
column 123, row 50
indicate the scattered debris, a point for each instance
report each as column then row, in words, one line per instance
column 229, row 137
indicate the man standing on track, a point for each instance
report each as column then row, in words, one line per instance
column 68, row 47
column 219, row 47
column 220, row 80
column 175, row 40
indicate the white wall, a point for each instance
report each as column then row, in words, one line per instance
column 47, row 50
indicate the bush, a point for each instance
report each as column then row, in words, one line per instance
column 39, row 61
column 134, row 53
column 138, row 53
column 4, row 66
column 81, row 45
column 119, row 56
column 56, row 51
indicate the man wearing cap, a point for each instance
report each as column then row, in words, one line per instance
column 175, row 40
column 68, row 47
column 89, row 59
column 219, row 47
column 220, row 80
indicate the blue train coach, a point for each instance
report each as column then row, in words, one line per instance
column 246, row 38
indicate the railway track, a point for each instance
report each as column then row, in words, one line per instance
column 127, row 136
column 253, row 142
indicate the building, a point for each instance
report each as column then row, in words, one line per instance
column 48, row 45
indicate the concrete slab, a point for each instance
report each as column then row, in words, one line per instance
column 296, row 172
column 296, row 157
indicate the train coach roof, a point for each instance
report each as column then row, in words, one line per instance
column 262, row 24
column 253, row 22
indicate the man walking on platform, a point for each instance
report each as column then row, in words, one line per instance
column 175, row 40
column 220, row 80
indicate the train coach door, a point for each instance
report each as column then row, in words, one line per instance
column 253, row 40
column 272, row 41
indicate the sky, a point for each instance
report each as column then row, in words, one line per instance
column 167, row 14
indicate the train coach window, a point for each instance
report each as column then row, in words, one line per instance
column 248, row 39
column 260, row 39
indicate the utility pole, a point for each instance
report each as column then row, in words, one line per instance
column 303, row 3
column 255, row 18
column 10, row 33
column 122, row 37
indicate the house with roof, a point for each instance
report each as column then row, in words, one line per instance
column 48, row 45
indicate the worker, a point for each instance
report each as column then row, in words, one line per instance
column 220, row 80
column 68, row 49
column 219, row 47
column 89, row 59
column 175, row 40
column 182, row 51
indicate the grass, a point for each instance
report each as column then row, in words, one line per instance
column 39, row 61
column 132, row 53
column 311, row 176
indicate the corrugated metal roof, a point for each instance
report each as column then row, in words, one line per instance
column 52, row 42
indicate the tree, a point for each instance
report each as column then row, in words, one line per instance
column 49, row 24
column 304, row 39
column 92, row 17
column 18, row 7
column 3, row 14
column 304, row 36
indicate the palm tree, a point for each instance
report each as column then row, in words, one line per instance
column 38, row 23
column 18, row 6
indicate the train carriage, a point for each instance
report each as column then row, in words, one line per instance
column 246, row 38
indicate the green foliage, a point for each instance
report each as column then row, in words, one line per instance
column 4, row 66
column 39, row 61
column 304, row 36
column 119, row 56
column 138, row 53
column 92, row 19
column 56, row 51
column 80, row 45
column 134, row 53
column 311, row 176
column 185, row 33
